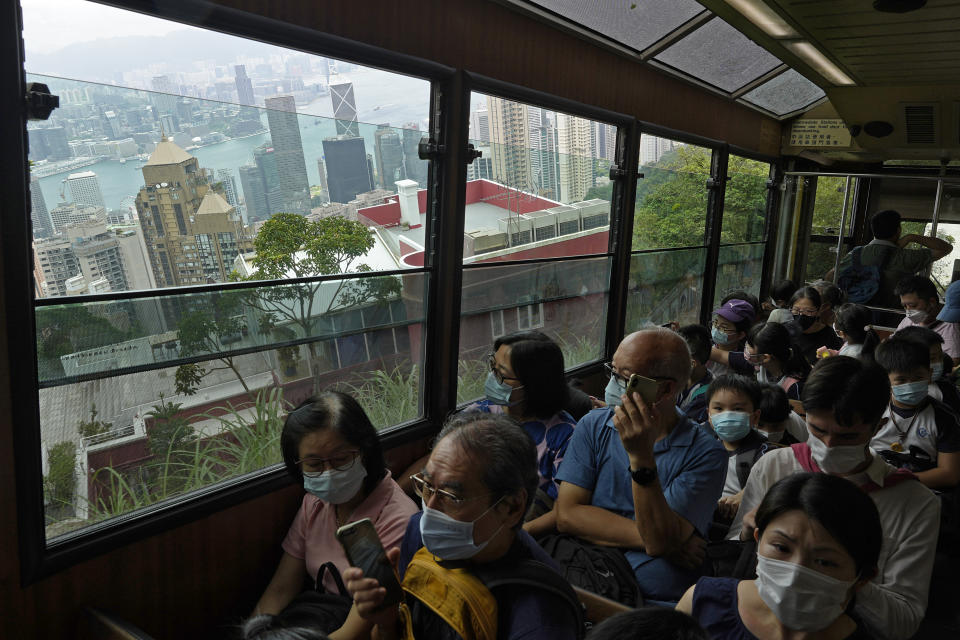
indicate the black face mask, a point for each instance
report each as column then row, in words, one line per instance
column 805, row 322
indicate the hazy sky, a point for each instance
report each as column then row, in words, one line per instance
column 49, row 25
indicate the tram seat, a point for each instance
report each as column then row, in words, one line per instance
column 597, row 607
column 100, row 625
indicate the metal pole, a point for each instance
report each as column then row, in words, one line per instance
column 936, row 208
column 871, row 175
column 843, row 226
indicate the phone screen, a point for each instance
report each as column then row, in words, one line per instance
column 364, row 550
column 646, row 387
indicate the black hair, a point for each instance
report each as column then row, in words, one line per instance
column 538, row 362
column 854, row 320
column 336, row 410
column 270, row 627
column 737, row 383
column 923, row 335
column 649, row 623
column 774, row 405
column 746, row 323
column 830, row 293
column 783, row 290
column 884, row 224
column 919, row 285
column 841, row 507
column 773, row 339
column 504, row 453
column 809, row 293
column 699, row 341
column 900, row 355
column 854, row 390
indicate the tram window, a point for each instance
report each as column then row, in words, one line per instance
column 828, row 206
column 198, row 158
column 745, row 201
column 671, row 204
column 665, row 286
column 821, row 258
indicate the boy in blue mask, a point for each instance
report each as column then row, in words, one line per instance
column 919, row 432
column 733, row 407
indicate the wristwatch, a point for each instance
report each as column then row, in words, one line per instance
column 644, row 475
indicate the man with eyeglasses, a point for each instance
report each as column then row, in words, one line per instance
column 476, row 487
column 642, row 476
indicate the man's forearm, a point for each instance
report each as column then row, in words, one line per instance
column 662, row 530
column 599, row 526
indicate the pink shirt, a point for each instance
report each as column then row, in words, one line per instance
column 949, row 330
column 312, row 535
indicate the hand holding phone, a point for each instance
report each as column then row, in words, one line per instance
column 646, row 387
column 363, row 549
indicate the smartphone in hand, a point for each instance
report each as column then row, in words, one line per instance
column 646, row 387
column 362, row 546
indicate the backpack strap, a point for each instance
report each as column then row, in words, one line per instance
column 801, row 451
column 337, row 579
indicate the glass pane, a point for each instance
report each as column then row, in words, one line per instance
column 566, row 300
column 946, row 269
column 718, row 54
column 635, row 24
column 671, row 206
column 821, row 258
column 739, row 268
column 541, row 187
column 745, row 201
column 665, row 287
column 828, row 206
column 785, row 93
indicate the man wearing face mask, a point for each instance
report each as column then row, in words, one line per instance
column 476, row 487
column 922, row 306
column 844, row 399
column 640, row 475
column 919, row 432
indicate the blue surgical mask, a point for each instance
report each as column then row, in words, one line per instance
column 937, row 370
column 719, row 337
column 498, row 392
column 613, row 391
column 449, row 538
column 334, row 486
column 731, row 425
column 910, row 393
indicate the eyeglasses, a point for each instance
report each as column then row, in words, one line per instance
column 725, row 330
column 446, row 499
column 495, row 368
column 804, row 312
column 312, row 467
column 608, row 367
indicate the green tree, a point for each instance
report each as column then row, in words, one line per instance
column 170, row 431
column 60, row 482
column 93, row 427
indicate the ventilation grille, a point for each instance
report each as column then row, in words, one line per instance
column 920, row 121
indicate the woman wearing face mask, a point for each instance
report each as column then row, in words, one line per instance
column 807, row 331
column 818, row 543
column 331, row 448
column 769, row 356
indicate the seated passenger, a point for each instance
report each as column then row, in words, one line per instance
column 941, row 387
column 807, row 331
column 649, row 623
column 778, row 422
column 693, row 399
column 919, row 433
column 476, row 487
column 818, row 543
column 852, row 325
column 780, row 296
column 643, row 477
column 921, row 304
column 832, row 297
column 268, row 627
column 331, row 448
column 845, row 399
column 731, row 322
column 733, row 404
column 769, row 356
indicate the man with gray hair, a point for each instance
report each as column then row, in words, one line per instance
column 476, row 487
column 642, row 476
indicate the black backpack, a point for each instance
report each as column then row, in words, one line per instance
column 600, row 570
column 733, row 559
column 317, row 608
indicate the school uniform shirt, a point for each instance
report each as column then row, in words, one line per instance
column 932, row 426
column 312, row 538
column 852, row 350
column 893, row 604
column 740, row 364
column 949, row 330
column 946, row 392
column 693, row 399
column 691, row 466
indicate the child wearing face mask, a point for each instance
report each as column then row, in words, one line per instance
column 769, row 356
column 818, row 544
column 778, row 423
column 852, row 325
column 941, row 386
column 918, row 432
column 733, row 407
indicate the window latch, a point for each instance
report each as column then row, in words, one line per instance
column 473, row 153
column 772, row 184
column 40, row 102
column 714, row 183
column 616, row 173
column 430, row 150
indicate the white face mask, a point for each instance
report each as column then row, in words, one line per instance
column 801, row 598
column 772, row 436
column 918, row 316
column 841, row 459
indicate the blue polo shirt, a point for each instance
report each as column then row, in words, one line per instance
column 691, row 465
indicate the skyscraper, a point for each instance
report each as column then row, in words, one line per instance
column 244, row 86
column 344, row 109
column 480, row 125
column 254, row 193
column 85, row 189
column 39, row 215
column 576, row 157
column 544, row 159
column 510, row 143
column 164, row 99
column 414, row 167
column 347, row 169
column 288, row 147
column 652, row 149
column 388, row 150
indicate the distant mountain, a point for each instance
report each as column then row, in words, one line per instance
column 103, row 59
